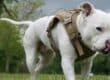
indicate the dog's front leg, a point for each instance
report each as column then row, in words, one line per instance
column 67, row 60
column 68, row 68
column 86, row 67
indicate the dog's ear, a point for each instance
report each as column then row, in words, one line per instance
column 87, row 8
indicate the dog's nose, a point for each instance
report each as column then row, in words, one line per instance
column 107, row 46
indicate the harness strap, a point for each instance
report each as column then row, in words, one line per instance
column 75, row 41
column 49, row 34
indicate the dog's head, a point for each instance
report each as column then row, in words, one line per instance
column 94, row 26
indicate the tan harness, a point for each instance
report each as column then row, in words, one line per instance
column 68, row 18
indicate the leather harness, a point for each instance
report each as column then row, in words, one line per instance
column 68, row 18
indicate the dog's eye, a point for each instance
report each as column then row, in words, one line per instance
column 99, row 29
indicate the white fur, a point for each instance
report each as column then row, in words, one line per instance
column 90, row 36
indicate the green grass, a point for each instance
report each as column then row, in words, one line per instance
column 4, row 76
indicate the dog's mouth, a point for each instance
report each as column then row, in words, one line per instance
column 106, row 50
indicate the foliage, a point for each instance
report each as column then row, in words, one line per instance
column 23, row 9
column 1, row 2
column 102, row 64
column 11, row 49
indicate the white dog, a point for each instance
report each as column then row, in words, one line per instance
column 93, row 26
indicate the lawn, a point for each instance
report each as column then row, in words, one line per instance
column 4, row 76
